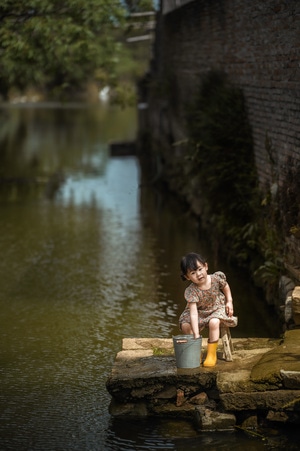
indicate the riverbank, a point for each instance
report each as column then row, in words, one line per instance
column 261, row 385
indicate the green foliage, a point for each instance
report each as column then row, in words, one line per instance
column 289, row 199
column 263, row 238
column 133, row 62
column 220, row 162
column 139, row 5
column 162, row 351
column 279, row 217
column 124, row 95
column 270, row 271
column 50, row 43
column 269, row 245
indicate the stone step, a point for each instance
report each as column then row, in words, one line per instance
column 263, row 376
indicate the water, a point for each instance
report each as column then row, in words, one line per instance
column 89, row 255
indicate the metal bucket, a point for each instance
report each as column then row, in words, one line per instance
column 187, row 351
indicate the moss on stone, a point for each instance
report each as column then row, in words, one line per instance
column 286, row 357
column 162, row 351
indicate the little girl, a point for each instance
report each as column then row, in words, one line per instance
column 209, row 303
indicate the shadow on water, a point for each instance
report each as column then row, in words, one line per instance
column 89, row 256
column 178, row 435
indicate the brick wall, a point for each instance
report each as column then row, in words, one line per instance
column 257, row 43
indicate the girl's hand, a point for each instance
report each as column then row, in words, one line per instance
column 229, row 308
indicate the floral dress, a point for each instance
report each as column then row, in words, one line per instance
column 210, row 303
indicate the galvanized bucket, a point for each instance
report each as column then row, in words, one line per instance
column 187, row 351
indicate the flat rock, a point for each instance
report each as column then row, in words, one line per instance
column 285, row 357
column 290, row 379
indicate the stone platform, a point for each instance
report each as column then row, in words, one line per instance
column 261, row 384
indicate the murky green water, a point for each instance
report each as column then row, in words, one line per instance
column 89, row 255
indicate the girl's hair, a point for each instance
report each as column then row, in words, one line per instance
column 190, row 263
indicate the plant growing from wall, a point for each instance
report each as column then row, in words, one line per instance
column 290, row 199
column 277, row 218
column 220, row 161
column 269, row 238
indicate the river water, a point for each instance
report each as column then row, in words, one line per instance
column 89, row 255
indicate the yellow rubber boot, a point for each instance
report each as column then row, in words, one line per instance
column 211, row 356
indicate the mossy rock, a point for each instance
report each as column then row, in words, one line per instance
column 285, row 357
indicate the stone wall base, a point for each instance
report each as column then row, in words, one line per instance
column 261, row 385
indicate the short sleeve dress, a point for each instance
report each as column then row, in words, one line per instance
column 210, row 303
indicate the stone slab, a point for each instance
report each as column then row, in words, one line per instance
column 138, row 372
column 291, row 379
column 145, row 380
column 132, row 354
column 274, row 400
column 208, row 420
column 147, row 343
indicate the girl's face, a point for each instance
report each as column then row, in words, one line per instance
column 198, row 275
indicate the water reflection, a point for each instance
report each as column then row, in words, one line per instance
column 173, row 434
column 88, row 257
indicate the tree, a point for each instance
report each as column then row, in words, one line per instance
column 135, row 6
column 58, row 43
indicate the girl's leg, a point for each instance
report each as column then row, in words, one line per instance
column 214, row 330
column 212, row 344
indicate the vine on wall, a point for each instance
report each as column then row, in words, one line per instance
column 290, row 199
column 218, row 179
column 220, row 162
column 220, row 168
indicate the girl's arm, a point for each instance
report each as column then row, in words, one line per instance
column 228, row 300
column 194, row 319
